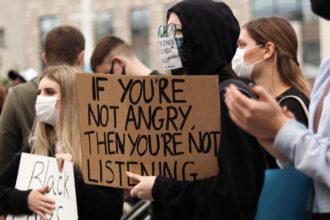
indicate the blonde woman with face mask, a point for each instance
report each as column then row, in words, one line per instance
column 56, row 134
column 267, row 54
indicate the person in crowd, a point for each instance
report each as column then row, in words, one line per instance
column 21, row 77
column 206, row 33
column 113, row 55
column 56, row 134
column 307, row 149
column 267, row 54
column 15, row 78
column 3, row 94
column 63, row 45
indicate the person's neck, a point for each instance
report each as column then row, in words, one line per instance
column 271, row 81
column 139, row 69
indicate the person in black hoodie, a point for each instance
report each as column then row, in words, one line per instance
column 209, row 32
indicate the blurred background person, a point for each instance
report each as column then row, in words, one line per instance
column 63, row 45
column 21, row 77
column 3, row 94
column 15, row 78
column 137, row 23
column 112, row 55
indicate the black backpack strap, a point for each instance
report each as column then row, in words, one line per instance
column 240, row 86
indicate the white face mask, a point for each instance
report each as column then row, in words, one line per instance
column 45, row 109
column 241, row 68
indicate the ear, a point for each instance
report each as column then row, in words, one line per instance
column 269, row 50
column 120, row 60
column 80, row 60
column 44, row 58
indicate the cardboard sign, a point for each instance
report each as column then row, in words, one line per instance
column 37, row 171
column 153, row 125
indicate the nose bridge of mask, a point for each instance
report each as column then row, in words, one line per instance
column 43, row 98
column 46, row 100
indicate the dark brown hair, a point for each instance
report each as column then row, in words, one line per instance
column 106, row 46
column 281, row 33
column 63, row 45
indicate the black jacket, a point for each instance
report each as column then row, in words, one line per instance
column 232, row 194
column 94, row 202
column 210, row 33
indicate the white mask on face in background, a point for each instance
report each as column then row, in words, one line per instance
column 241, row 68
column 45, row 109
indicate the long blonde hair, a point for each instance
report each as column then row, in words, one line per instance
column 44, row 136
column 281, row 33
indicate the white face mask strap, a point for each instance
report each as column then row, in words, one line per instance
column 259, row 45
column 261, row 60
column 256, row 63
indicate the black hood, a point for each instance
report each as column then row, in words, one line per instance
column 321, row 8
column 210, row 34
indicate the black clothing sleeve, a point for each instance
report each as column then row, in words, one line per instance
column 12, row 201
column 98, row 202
column 232, row 194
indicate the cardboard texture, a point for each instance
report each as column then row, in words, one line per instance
column 153, row 125
column 37, row 171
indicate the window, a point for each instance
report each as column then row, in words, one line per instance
column 311, row 48
column 262, row 8
column 45, row 25
column 103, row 25
column 292, row 9
column 2, row 38
column 140, row 34
column 312, row 54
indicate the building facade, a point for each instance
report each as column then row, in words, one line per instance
column 24, row 24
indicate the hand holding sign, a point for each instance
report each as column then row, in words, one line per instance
column 143, row 188
column 40, row 174
column 61, row 157
column 40, row 203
